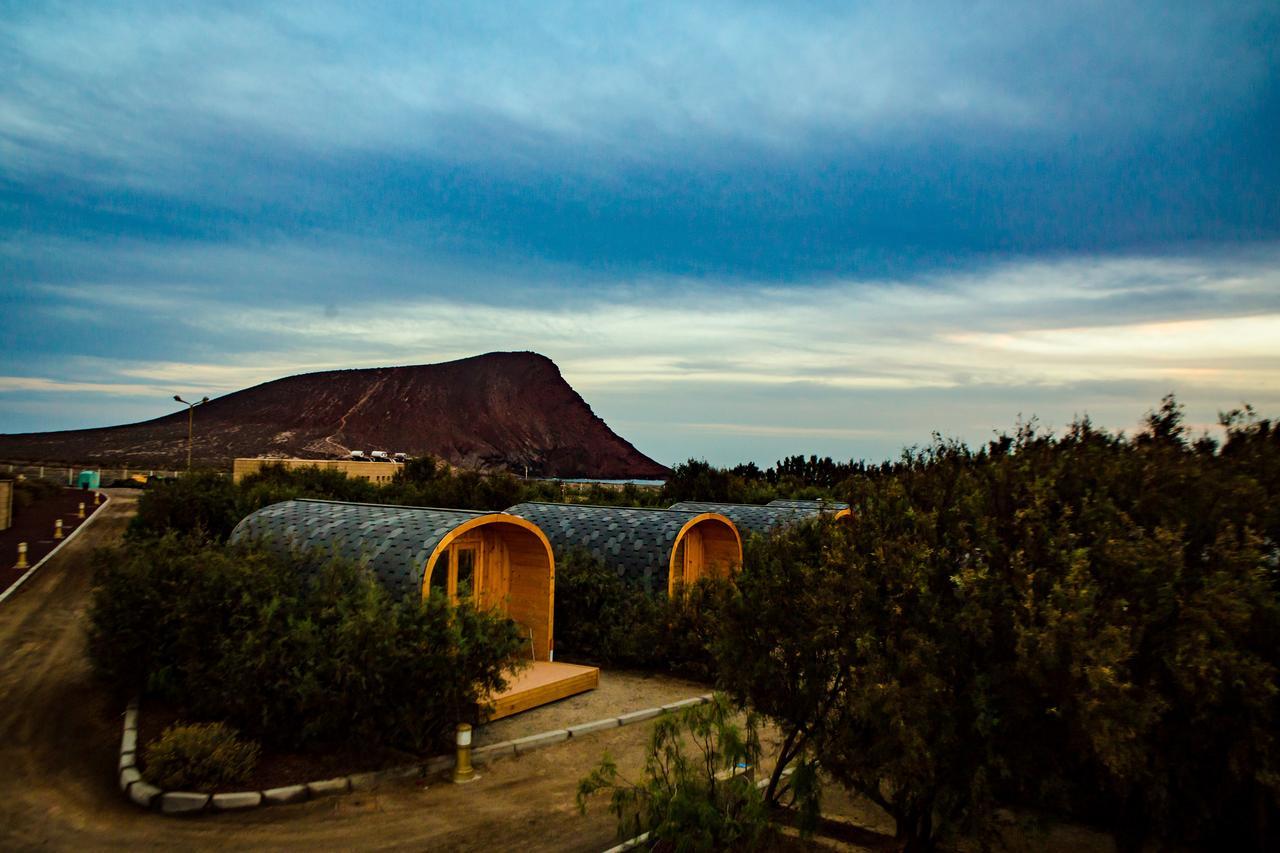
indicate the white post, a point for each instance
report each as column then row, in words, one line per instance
column 463, row 772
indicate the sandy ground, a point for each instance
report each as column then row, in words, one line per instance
column 619, row 692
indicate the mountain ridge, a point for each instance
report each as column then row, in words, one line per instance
column 500, row 410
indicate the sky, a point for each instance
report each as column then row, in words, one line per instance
column 742, row 230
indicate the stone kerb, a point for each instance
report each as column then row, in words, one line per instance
column 148, row 796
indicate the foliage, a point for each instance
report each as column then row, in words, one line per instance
column 596, row 611
column 1085, row 623
column 602, row 619
column 695, row 794
column 683, row 632
column 27, row 493
column 782, row 649
column 206, row 503
column 203, row 503
column 200, row 756
column 274, row 483
column 297, row 659
column 795, row 477
column 917, row 728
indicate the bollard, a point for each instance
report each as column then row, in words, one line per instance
column 80, row 513
column 22, row 556
column 97, row 497
column 57, row 529
column 463, row 772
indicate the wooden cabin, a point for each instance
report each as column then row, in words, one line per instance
column 493, row 560
column 658, row 550
column 756, row 518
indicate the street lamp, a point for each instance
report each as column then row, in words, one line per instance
column 191, row 416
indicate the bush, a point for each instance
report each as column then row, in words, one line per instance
column 200, row 756
column 26, row 493
column 1086, row 625
column 597, row 613
column 292, row 658
column 699, row 799
column 600, row 618
column 200, row 503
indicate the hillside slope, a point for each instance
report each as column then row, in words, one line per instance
column 500, row 410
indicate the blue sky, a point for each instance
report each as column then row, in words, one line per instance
column 742, row 230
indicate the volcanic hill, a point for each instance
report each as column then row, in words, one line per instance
column 503, row 410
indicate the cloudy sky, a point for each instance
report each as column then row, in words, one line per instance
column 741, row 229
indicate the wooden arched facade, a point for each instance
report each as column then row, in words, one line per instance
column 498, row 561
column 756, row 518
column 655, row 549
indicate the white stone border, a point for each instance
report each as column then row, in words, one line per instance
column 106, row 499
column 148, row 796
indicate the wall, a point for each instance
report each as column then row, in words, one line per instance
column 6, row 504
column 378, row 472
column 66, row 476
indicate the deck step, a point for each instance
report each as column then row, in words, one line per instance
column 541, row 683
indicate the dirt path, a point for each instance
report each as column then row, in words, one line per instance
column 58, row 734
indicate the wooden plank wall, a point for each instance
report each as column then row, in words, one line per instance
column 529, row 600
column 721, row 553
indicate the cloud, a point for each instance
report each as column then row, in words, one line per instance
column 1107, row 337
column 59, row 386
column 627, row 81
column 870, row 221
column 732, row 140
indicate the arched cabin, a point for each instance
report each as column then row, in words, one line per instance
column 497, row 561
column 756, row 518
column 655, row 549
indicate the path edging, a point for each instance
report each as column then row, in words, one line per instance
column 13, row 587
column 148, row 796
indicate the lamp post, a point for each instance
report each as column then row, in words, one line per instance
column 191, row 416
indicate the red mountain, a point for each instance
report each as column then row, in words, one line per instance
column 500, row 410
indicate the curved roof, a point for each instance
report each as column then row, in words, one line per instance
column 395, row 542
column 636, row 542
column 815, row 506
column 752, row 518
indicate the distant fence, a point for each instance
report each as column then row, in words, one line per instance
column 66, row 476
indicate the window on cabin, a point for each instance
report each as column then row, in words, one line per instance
column 465, row 572
column 440, row 576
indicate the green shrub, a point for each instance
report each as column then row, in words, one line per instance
column 290, row 657
column 602, row 619
column 200, row 503
column 29, row 492
column 698, row 791
column 596, row 611
column 200, row 756
column 1085, row 624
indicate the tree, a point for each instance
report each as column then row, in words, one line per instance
column 697, row 792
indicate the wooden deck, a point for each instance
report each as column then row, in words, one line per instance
column 540, row 683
